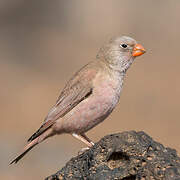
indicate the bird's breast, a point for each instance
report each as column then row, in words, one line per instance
column 96, row 107
column 108, row 86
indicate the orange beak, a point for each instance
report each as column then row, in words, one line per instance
column 138, row 50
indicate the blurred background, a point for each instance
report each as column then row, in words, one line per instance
column 43, row 43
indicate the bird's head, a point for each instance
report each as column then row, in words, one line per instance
column 120, row 52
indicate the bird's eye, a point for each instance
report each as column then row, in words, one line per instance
column 124, row 46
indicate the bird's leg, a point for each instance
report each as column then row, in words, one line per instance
column 83, row 139
column 84, row 135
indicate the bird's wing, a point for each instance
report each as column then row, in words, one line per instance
column 75, row 91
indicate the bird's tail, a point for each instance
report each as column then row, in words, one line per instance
column 33, row 143
column 27, row 148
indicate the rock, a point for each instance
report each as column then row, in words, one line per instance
column 127, row 156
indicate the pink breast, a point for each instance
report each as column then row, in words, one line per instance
column 92, row 110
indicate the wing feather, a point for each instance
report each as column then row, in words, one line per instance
column 76, row 90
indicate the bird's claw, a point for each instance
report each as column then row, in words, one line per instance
column 83, row 150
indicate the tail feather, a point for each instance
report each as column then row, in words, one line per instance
column 33, row 143
column 35, row 135
column 41, row 130
column 27, row 148
column 22, row 155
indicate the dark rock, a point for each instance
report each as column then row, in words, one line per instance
column 127, row 156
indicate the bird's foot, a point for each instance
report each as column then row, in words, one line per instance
column 83, row 150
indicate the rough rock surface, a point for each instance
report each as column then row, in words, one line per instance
column 127, row 156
